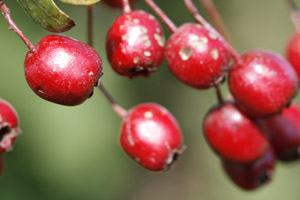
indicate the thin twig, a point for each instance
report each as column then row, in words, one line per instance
column 294, row 14
column 194, row 11
column 215, row 17
column 219, row 94
column 126, row 6
column 166, row 20
column 117, row 108
column 12, row 26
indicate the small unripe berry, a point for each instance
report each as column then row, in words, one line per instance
column 135, row 44
column 63, row 70
column 151, row 136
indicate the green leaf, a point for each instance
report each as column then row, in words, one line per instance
column 80, row 2
column 47, row 14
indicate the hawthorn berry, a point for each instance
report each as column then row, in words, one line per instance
column 233, row 135
column 8, row 126
column 284, row 133
column 116, row 3
column 135, row 44
column 252, row 175
column 151, row 136
column 263, row 83
column 293, row 52
column 196, row 56
column 63, row 70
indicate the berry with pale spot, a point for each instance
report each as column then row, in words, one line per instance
column 135, row 44
column 151, row 136
column 197, row 56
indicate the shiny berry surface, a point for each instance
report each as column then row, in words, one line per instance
column 196, row 56
column 63, row 70
column 117, row 3
column 284, row 133
column 293, row 52
column 263, row 83
column 233, row 135
column 250, row 176
column 135, row 44
column 151, row 136
column 8, row 126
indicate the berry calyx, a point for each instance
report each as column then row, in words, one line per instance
column 151, row 136
column 284, row 133
column 233, row 135
column 135, row 44
column 63, row 70
column 250, row 176
column 8, row 126
column 196, row 56
column 263, row 83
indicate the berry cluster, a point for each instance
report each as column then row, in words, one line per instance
column 249, row 132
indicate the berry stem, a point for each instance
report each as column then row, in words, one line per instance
column 294, row 14
column 194, row 11
column 166, row 20
column 12, row 26
column 215, row 16
column 219, row 94
column 90, row 38
column 126, row 6
column 117, row 108
column 90, row 28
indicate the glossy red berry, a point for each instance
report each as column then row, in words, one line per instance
column 135, row 44
column 8, row 126
column 196, row 56
column 263, row 83
column 116, row 3
column 234, row 135
column 151, row 136
column 63, row 70
column 293, row 52
column 250, row 176
column 284, row 133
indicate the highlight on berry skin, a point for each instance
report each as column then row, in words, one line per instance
column 151, row 136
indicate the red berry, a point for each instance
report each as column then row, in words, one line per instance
column 116, row 3
column 293, row 52
column 284, row 133
column 135, row 44
column 233, row 135
column 63, row 70
column 250, row 176
column 196, row 56
column 263, row 83
column 8, row 126
column 151, row 136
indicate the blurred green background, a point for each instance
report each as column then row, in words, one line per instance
column 74, row 152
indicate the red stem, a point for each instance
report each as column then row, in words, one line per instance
column 215, row 16
column 12, row 26
column 294, row 14
column 166, row 20
column 126, row 6
column 194, row 11
column 117, row 108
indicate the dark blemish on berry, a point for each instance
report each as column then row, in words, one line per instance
column 3, row 131
column 142, row 71
column 91, row 94
column 39, row 90
column 264, row 178
column 70, row 94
